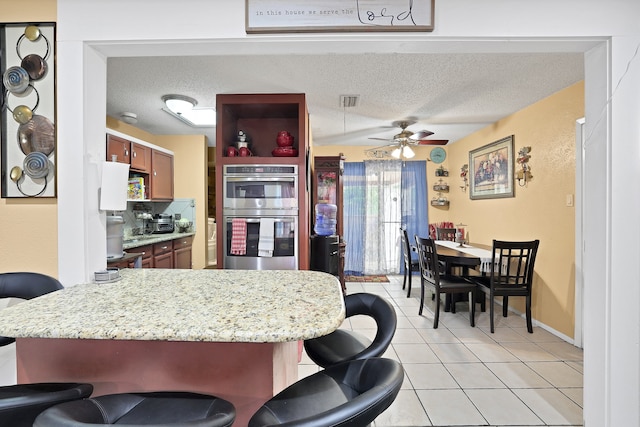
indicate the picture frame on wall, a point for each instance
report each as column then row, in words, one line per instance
column 28, row 110
column 293, row 16
column 491, row 170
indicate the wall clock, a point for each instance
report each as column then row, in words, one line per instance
column 438, row 155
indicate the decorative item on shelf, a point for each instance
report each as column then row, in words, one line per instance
column 243, row 144
column 440, row 200
column 441, row 171
column 523, row 175
column 441, row 186
column 285, row 145
column 464, row 171
column 461, row 235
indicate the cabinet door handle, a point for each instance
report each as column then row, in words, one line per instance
column 154, row 172
column 134, row 154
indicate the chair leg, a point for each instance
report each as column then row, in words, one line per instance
column 528, row 309
column 472, row 308
column 404, row 282
column 421, row 296
column 453, row 298
column 505, row 306
column 409, row 289
column 491, row 309
column 436, row 316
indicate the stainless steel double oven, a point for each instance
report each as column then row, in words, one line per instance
column 259, row 196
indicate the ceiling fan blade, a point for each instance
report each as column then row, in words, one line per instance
column 383, row 139
column 421, row 134
column 432, row 142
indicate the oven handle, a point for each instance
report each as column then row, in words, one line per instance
column 289, row 219
column 259, row 179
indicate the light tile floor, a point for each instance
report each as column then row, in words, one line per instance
column 457, row 375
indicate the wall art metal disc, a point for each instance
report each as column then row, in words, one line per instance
column 28, row 110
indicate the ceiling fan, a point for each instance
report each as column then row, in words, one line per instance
column 401, row 142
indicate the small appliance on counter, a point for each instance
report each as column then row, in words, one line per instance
column 161, row 223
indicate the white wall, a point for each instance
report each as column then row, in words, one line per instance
column 606, row 30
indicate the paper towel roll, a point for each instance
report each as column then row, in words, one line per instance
column 113, row 193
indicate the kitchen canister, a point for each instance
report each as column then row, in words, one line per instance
column 325, row 219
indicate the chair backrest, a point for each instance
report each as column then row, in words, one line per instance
column 406, row 249
column 25, row 285
column 349, row 394
column 428, row 258
column 446, row 234
column 513, row 263
column 382, row 312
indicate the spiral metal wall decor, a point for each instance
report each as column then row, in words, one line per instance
column 28, row 110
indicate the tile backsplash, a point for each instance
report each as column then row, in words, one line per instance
column 178, row 208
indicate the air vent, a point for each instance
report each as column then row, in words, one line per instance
column 348, row 101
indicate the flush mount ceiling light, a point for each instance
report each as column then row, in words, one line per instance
column 184, row 108
column 130, row 118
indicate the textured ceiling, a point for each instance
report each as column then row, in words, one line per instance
column 451, row 95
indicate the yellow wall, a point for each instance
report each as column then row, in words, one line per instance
column 29, row 227
column 538, row 211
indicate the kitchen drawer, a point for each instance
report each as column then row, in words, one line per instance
column 162, row 248
column 183, row 242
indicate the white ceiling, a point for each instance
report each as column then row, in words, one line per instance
column 451, row 95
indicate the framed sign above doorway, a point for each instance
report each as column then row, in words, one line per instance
column 291, row 16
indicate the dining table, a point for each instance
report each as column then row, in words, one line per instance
column 465, row 256
column 231, row 333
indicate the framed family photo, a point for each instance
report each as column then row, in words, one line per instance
column 491, row 170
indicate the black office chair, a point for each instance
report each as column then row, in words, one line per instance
column 410, row 264
column 442, row 283
column 342, row 345
column 511, row 275
column 141, row 409
column 350, row 394
column 20, row 404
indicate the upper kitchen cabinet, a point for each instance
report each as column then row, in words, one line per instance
column 161, row 175
column 118, row 147
column 140, row 157
column 261, row 117
column 151, row 166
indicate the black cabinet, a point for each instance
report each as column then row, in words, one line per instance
column 325, row 254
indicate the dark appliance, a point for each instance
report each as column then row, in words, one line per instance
column 161, row 223
column 325, row 253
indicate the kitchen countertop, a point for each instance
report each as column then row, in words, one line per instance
column 248, row 306
column 150, row 239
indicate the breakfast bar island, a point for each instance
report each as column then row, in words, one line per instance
column 231, row 333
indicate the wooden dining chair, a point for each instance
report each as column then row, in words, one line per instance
column 441, row 283
column 410, row 264
column 511, row 275
column 446, row 234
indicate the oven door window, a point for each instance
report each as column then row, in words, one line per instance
column 283, row 236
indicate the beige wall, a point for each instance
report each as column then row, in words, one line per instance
column 29, row 227
column 538, row 210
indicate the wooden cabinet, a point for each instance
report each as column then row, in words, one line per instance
column 182, row 252
column 327, row 188
column 327, row 185
column 163, row 255
column 161, row 175
column 140, row 157
column 154, row 166
column 147, row 255
column 118, row 147
column 262, row 117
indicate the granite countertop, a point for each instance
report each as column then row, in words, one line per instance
column 186, row 305
column 149, row 239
